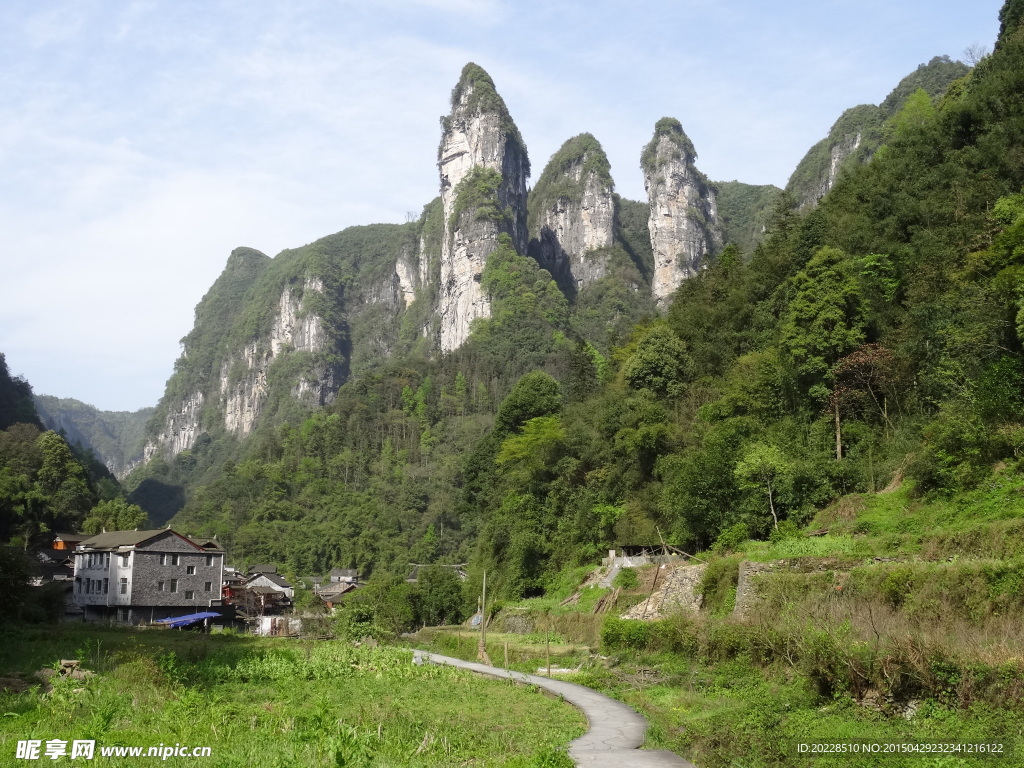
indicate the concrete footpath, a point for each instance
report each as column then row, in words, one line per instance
column 616, row 730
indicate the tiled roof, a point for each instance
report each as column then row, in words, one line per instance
column 208, row 543
column 272, row 578
column 336, row 589
column 115, row 539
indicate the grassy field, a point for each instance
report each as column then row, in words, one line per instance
column 271, row 702
column 900, row 620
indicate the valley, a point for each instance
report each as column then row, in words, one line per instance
column 794, row 417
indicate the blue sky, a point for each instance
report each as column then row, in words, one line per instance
column 141, row 141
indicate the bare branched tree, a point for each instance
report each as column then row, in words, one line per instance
column 974, row 53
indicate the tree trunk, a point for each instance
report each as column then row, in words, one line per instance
column 839, row 433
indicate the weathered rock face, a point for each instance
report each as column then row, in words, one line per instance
column 684, row 224
column 837, row 155
column 409, row 279
column 572, row 213
column 477, row 134
column 181, row 428
column 243, row 380
column 237, row 395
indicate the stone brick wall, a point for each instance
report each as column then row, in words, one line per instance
column 677, row 588
column 148, row 573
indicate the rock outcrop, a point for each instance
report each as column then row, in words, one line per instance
column 243, row 380
column 684, row 225
column 572, row 213
column 483, row 167
column 678, row 589
column 181, row 427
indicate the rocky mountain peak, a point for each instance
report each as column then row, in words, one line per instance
column 684, row 225
column 483, row 168
column 572, row 213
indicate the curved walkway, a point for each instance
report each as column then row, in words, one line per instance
column 616, row 730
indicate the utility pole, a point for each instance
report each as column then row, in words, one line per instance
column 481, row 653
column 547, row 639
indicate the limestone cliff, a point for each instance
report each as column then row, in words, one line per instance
column 483, row 167
column 572, row 214
column 277, row 337
column 243, row 378
column 684, row 224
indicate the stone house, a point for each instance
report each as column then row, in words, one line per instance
column 138, row 576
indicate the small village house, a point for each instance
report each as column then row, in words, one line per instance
column 140, row 576
column 271, row 581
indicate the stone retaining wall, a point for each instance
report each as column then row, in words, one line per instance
column 678, row 588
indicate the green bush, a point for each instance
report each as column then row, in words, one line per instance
column 625, row 634
column 718, row 585
column 626, row 578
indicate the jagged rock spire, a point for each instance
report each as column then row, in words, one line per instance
column 572, row 212
column 483, row 166
column 684, row 224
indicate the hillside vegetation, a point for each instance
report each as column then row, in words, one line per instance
column 871, row 339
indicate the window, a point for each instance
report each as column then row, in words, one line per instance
column 175, row 559
column 190, row 570
column 124, row 586
column 189, row 594
column 159, row 586
column 208, row 586
column 106, row 558
column 106, row 586
column 174, row 585
column 209, row 560
column 124, row 561
column 163, row 559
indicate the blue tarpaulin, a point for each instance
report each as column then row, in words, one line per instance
column 184, row 621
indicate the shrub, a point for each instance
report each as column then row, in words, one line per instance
column 718, row 584
column 626, row 579
column 623, row 634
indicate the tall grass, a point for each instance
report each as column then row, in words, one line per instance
column 278, row 703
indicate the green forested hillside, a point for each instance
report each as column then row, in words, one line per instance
column 115, row 437
column 16, row 404
column 859, row 131
column 872, row 340
column 745, row 210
